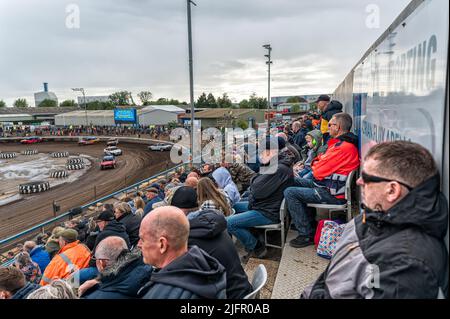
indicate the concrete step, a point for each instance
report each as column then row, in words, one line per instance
column 298, row 268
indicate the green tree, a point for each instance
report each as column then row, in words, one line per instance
column 256, row 102
column 21, row 103
column 211, row 101
column 2, row 103
column 145, row 97
column 293, row 99
column 164, row 101
column 68, row 103
column 295, row 108
column 202, row 101
column 244, row 104
column 96, row 105
column 48, row 103
column 242, row 124
column 121, row 98
column 224, row 101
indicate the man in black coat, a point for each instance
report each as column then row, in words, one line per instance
column 396, row 247
column 110, row 227
column 208, row 231
column 265, row 195
column 123, row 214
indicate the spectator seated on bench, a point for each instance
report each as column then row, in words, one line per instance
column 330, row 172
column 265, row 196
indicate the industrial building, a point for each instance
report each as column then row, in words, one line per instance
column 44, row 95
column 223, row 117
column 31, row 115
column 149, row 115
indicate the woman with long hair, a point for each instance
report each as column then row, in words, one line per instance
column 210, row 197
column 139, row 204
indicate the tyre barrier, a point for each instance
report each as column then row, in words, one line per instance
column 34, row 187
column 74, row 166
column 8, row 155
column 75, row 160
column 29, row 152
column 59, row 154
column 59, row 174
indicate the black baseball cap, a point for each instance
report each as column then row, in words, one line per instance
column 323, row 97
column 106, row 216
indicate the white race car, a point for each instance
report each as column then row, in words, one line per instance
column 160, row 147
column 112, row 150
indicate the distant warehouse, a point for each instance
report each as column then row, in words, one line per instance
column 149, row 115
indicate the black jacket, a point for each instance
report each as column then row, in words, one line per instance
column 123, row 279
column 193, row 275
column 266, row 190
column 405, row 246
column 132, row 223
column 208, row 230
column 333, row 108
column 113, row 228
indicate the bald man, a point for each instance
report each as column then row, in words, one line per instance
column 122, row 273
column 179, row 272
column 191, row 182
column 193, row 174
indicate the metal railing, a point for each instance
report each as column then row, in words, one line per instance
column 69, row 213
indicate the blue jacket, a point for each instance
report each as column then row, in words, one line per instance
column 25, row 291
column 41, row 257
column 193, row 275
column 123, row 279
column 148, row 206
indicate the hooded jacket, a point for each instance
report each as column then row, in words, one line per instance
column 40, row 257
column 123, row 279
column 23, row 292
column 113, row 228
column 266, row 190
column 224, row 181
column 208, row 231
column 194, row 275
column 404, row 248
column 331, row 169
column 333, row 107
column 309, row 154
column 132, row 223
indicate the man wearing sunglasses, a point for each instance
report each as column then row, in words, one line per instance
column 396, row 247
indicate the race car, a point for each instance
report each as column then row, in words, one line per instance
column 31, row 140
column 112, row 150
column 112, row 142
column 108, row 161
column 89, row 140
column 160, row 147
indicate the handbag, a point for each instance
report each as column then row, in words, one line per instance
column 330, row 234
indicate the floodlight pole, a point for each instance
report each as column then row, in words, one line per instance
column 191, row 72
column 268, row 62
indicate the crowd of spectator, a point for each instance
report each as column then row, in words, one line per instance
column 175, row 239
column 154, row 131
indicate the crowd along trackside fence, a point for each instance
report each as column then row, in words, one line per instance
column 41, row 227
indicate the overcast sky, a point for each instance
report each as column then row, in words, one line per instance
column 142, row 45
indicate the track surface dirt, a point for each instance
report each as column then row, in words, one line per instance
column 136, row 163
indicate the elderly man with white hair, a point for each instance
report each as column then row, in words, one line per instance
column 122, row 273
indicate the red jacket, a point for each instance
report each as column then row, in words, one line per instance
column 339, row 160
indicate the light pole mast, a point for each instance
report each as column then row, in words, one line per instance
column 268, row 62
column 191, row 72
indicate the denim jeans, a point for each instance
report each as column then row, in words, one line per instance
column 86, row 274
column 238, row 225
column 299, row 196
column 306, row 173
column 241, row 207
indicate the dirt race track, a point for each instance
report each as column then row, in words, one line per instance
column 136, row 163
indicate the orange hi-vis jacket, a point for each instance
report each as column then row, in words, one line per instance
column 71, row 258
